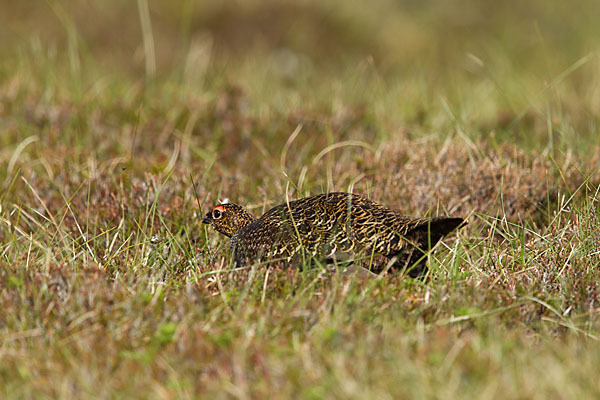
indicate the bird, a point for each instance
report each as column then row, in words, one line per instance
column 330, row 224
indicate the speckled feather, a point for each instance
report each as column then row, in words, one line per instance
column 328, row 224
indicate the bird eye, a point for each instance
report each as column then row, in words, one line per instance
column 217, row 214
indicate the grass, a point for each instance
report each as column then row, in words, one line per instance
column 110, row 113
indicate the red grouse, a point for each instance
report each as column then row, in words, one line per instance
column 327, row 224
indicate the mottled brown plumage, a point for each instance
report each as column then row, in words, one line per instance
column 327, row 224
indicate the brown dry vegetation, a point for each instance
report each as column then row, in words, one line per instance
column 110, row 287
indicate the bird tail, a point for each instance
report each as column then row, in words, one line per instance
column 423, row 237
column 439, row 227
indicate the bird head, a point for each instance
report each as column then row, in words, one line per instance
column 228, row 218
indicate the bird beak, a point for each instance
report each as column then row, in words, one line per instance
column 206, row 220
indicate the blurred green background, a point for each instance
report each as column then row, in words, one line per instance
column 511, row 67
column 400, row 37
